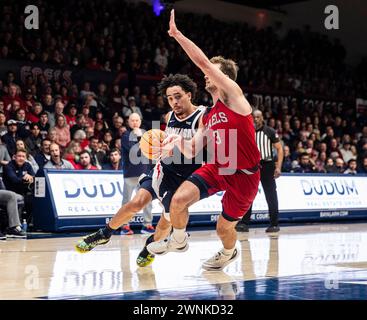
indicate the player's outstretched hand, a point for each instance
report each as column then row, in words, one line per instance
column 173, row 31
column 166, row 148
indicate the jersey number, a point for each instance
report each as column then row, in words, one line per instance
column 217, row 138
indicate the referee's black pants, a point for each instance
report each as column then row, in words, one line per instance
column 270, row 190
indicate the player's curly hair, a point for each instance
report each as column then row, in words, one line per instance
column 185, row 82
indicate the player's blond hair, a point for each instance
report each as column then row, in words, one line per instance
column 227, row 66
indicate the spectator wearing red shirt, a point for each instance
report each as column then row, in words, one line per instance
column 11, row 97
column 35, row 113
column 94, row 65
column 64, row 95
column 85, row 162
column 71, row 115
column 28, row 99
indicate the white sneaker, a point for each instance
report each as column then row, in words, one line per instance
column 219, row 261
column 168, row 245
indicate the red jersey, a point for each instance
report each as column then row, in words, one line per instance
column 231, row 138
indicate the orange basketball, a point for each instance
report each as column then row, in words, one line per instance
column 152, row 138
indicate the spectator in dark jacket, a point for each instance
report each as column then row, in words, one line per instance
column 18, row 174
column 43, row 156
column 10, row 138
column 18, row 177
column 114, row 162
column 305, row 165
column 130, row 145
column 33, row 142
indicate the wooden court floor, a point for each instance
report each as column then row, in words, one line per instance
column 330, row 256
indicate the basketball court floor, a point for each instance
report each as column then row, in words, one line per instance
column 314, row 261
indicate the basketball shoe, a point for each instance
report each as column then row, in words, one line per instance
column 91, row 241
column 219, row 261
column 145, row 258
column 168, row 245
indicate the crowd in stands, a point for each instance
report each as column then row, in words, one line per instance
column 42, row 116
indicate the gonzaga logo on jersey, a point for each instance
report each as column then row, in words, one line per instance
column 187, row 134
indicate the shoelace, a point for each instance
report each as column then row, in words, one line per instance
column 216, row 257
column 93, row 238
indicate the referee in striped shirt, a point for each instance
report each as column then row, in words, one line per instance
column 266, row 139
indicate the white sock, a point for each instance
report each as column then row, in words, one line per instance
column 179, row 234
column 228, row 252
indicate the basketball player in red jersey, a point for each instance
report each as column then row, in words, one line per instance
column 228, row 131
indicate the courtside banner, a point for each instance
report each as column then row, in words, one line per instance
column 315, row 192
column 100, row 193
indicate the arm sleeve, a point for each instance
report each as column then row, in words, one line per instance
column 274, row 137
column 12, row 176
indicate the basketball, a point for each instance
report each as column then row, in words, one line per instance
column 149, row 141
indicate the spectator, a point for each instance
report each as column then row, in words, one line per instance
column 56, row 162
column 330, row 166
column 4, row 157
column 117, row 123
column 97, row 155
column 287, row 161
column 305, row 164
column 107, row 141
column 44, row 125
column 346, row 151
column 59, row 110
column 20, row 145
column 89, row 122
column 3, row 127
column 352, row 167
column 33, row 142
column 18, row 176
column 10, row 98
column 72, row 153
column 85, row 161
column 52, row 135
column 43, row 156
column 80, row 124
column 62, row 131
column 48, row 103
column 22, row 123
column 131, row 108
column 320, row 162
column 99, row 129
column 71, row 115
column 334, row 151
column 10, row 137
column 11, row 201
column 363, row 168
column 81, row 137
column 28, row 99
column 35, row 112
column 115, row 160
column 339, row 164
column 132, row 171
column 100, row 117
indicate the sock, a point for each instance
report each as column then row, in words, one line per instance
column 179, row 234
column 107, row 231
column 228, row 252
column 149, row 240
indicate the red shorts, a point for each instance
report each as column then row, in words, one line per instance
column 240, row 189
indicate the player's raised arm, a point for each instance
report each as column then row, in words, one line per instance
column 229, row 87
